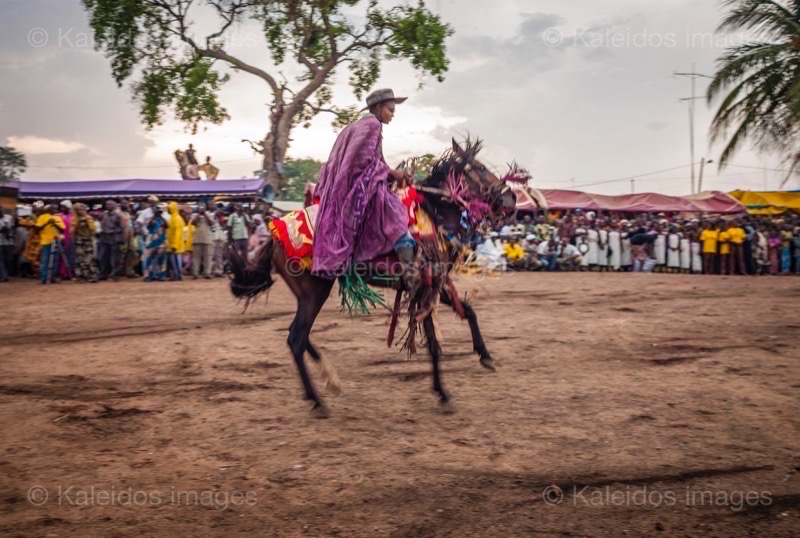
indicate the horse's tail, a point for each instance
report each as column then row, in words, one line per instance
column 250, row 279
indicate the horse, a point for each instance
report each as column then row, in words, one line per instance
column 458, row 184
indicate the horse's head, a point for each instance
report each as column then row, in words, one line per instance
column 490, row 189
column 470, row 185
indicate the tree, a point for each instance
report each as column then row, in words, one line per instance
column 760, row 80
column 12, row 164
column 298, row 172
column 152, row 44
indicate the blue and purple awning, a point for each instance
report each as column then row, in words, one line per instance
column 137, row 188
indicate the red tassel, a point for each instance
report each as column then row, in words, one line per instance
column 457, row 306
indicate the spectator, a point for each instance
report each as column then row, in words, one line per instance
column 83, row 237
column 709, row 237
column 50, row 227
column 238, row 224
column 176, row 246
column 202, row 240
column 6, row 245
column 112, row 236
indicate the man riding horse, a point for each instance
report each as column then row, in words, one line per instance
column 359, row 217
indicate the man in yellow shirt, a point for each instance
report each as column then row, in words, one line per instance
column 724, row 249
column 514, row 253
column 50, row 227
column 738, row 236
column 709, row 237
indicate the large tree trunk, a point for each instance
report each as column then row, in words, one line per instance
column 275, row 145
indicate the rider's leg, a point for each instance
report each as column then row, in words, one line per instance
column 404, row 247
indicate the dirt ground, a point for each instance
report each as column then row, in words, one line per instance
column 623, row 405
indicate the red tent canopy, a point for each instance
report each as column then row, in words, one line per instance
column 711, row 202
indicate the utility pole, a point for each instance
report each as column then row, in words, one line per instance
column 633, row 186
column 693, row 76
column 703, row 162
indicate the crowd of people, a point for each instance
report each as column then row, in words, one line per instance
column 586, row 241
column 153, row 240
column 158, row 241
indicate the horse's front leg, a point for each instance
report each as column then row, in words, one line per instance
column 433, row 348
column 478, row 345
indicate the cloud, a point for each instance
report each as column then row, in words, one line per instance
column 34, row 145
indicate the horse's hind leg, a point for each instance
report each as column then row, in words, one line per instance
column 307, row 310
column 329, row 376
column 478, row 345
column 433, row 348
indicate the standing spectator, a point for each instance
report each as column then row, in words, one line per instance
column 738, row 238
column 238, row 224
column 142, row 221
column 191, row 167
column 112, row 236
column 67, row 263
column 219, row 237
column 709, row 238
column 6, row 245
column 175, row 243
column 787, row 241
column 796, row 242
column 775, row 251
column 724, row 249
column 202, row 240
column 614, row 247
column 83, row 237
column 673, row 250
column 660, row 245
column 50, row 226
column 188, row 233
column 129, row 251
column 209, row 169
column 155, row 246
column 685, row 248
column 761, row 251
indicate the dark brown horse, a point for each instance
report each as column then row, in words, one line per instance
column 447, row 205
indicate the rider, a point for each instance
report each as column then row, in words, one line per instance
column 359, row 217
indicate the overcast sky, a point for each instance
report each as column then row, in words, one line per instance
column 580, row 92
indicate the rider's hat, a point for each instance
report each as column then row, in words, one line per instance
column 386, row 94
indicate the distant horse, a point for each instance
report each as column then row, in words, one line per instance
column 458, row 185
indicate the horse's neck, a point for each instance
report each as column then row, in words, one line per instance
column 446, row 216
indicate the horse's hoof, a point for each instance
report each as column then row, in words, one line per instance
column 446, row 408
column 320, row 411
column 333, row 387
column 488, row 363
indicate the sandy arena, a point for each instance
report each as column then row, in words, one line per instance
column 648, row 404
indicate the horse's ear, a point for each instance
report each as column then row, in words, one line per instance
column 456, row 148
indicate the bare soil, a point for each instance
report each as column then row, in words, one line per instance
column 659, row 405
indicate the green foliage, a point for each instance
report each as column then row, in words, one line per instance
column 298, row 172
column 759, row 82
column 12, row 164
column 152, row 45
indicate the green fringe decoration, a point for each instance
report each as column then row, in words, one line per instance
column 357, row 296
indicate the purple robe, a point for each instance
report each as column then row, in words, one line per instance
column 359, row 217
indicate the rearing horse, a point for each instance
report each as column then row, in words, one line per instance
column 459, row 194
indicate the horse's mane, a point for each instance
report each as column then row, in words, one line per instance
column 451, row 161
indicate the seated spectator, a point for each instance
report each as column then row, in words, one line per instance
column 548, row 253
column 514, row 254
column 569, row 257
